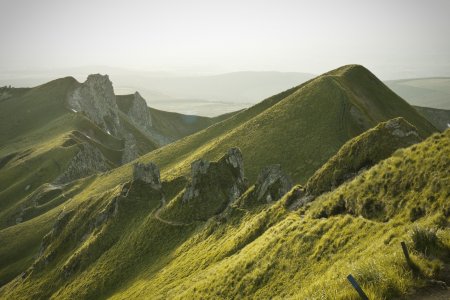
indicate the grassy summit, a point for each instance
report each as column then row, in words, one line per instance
column 299, row 128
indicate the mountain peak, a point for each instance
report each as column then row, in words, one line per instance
column 95, row 97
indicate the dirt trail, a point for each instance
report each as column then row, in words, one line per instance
column 157, row 216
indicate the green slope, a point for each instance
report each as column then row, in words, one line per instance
column 173, row 126
column 300, row 129
column 267, row 253
column 362, row 152
column 39, row 137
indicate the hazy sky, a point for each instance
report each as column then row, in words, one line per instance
column 394, row 38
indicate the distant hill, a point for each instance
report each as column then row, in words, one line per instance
column 206, row 95
column 426, row 92
column 440, row 118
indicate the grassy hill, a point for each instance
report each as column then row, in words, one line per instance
column 308, row 123
column 95, row 250
column 40, row 137
column 108, row 239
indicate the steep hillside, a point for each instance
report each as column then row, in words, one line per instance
column 45, row 140
column 119, row 245
column 170, row 126
column 440, row 118
column 300, row 128
column 361, row 153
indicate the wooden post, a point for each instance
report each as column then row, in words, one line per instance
column 356, row 286
column 405, row 251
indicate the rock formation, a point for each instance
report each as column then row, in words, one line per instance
column 272, row 184
column 148, row 173
column 130, row 151
column 95, row 98
column 89, row 160
column 212, row 188
column 205, row 174
column 139, row 113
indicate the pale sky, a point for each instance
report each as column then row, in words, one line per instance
column 393, row 38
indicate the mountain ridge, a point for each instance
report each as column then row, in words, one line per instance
column 120, row 235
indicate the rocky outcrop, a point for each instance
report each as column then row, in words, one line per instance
column 130, row 150
column 95, row 98
column 139, row 113
column 212, row 188
column 148, row 173
column 272, row 184
column 400, row 128
column 204, row 174
column 89, row 160
column 362, row 152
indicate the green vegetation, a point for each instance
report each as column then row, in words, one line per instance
column 39, row 137
column 309, row 122
column 172, row 125
column 264, row 253
column 119, row 238
column 361, row 153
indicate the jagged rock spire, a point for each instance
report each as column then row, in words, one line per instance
column 95, row 98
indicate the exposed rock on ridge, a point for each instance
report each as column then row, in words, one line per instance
column 95, row 97
column 212, row 188
column 272, row 184
column 361, row 153
column 148, row 173
column 130, row 150
column 139, row 113
column 89, row 160
column 204, row 173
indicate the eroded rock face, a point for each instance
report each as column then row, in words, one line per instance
column 130, row 151
column 221, row 182
column 95, row 97
column 139, row 114
column 399, row 128
column 272, row 184
column 89, row 160
column 148, row 173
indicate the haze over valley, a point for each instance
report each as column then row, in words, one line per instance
column 225, row 150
